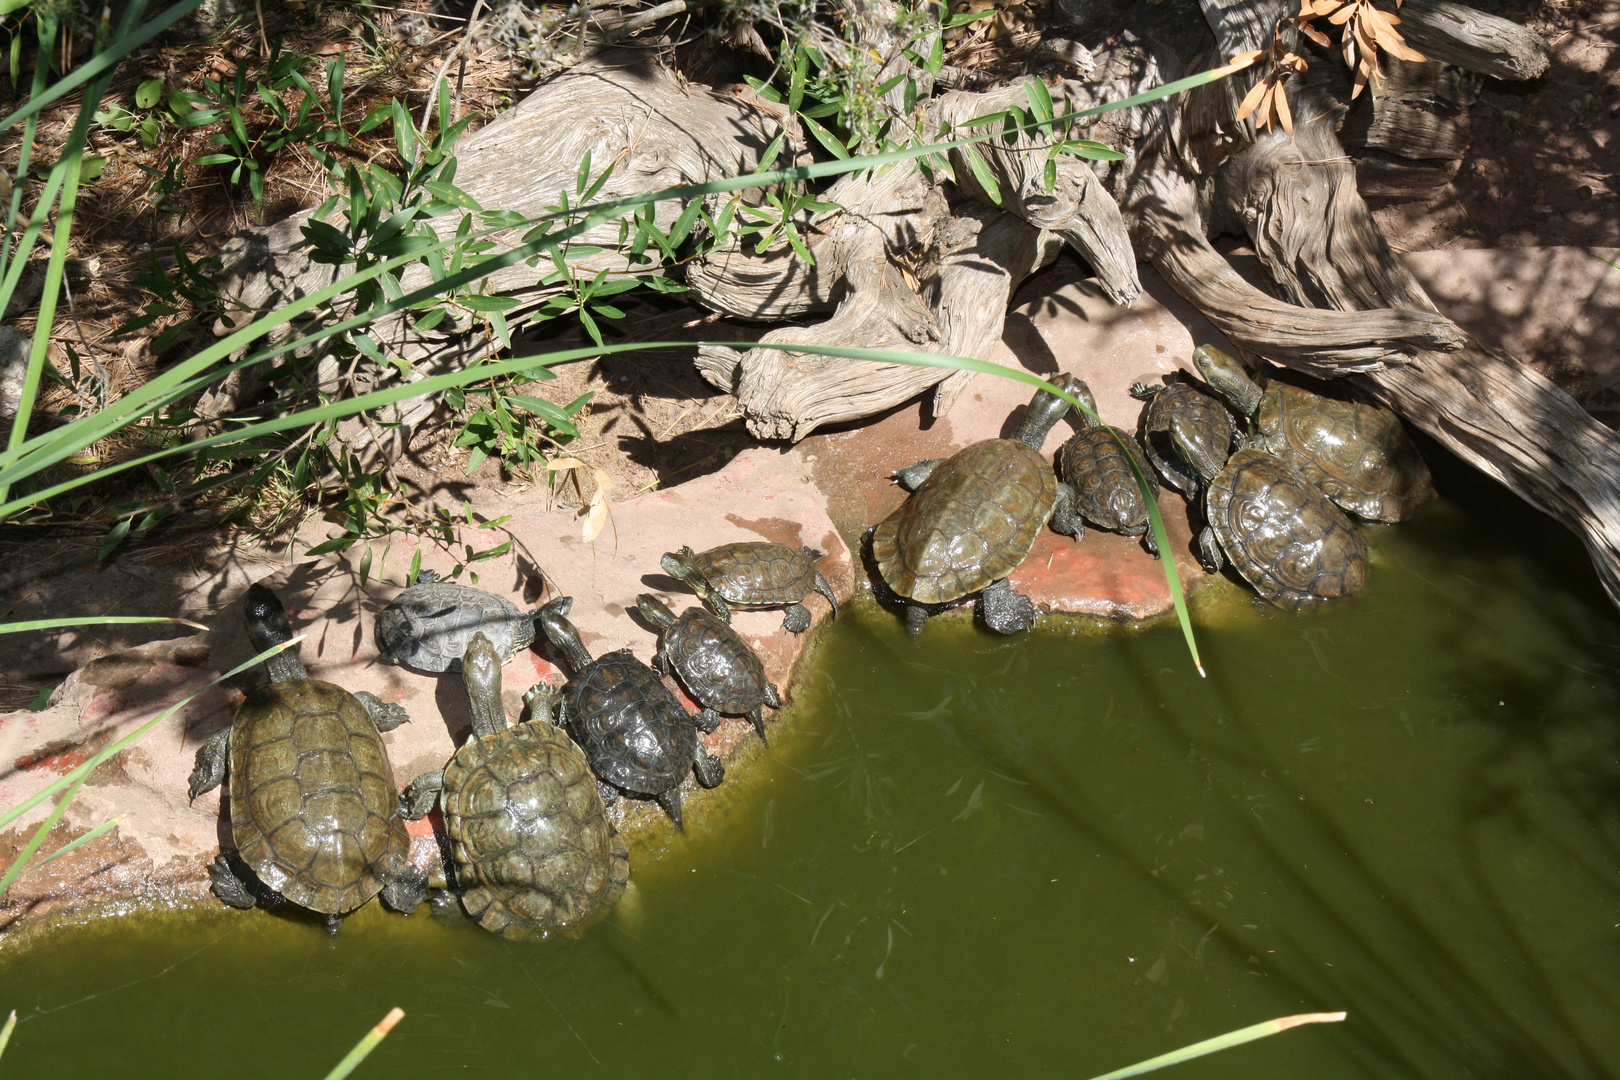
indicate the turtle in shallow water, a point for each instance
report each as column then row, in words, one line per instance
column 1358, row 454
column 314, row 811
column 714, row 663
column 1187, row 434
column 753, row 575
column 533, row 847
column 427, row 626
column 634, row 732
column 1094, row 463
column 972, row 518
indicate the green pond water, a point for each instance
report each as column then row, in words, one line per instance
column 1050, row 855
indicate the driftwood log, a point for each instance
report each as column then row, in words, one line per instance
column 928, row 264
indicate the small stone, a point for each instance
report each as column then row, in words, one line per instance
column 13, row 368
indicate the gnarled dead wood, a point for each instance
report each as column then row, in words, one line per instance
column 1457, row 34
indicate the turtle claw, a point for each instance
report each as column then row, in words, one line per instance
column 406, row 892
column 1006, row 611
column 228, row 885
column 707, row 721
column 797, row 619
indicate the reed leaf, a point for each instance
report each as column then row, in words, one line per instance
column 367, row 1044
column 94, row 620
column 1222, row 1042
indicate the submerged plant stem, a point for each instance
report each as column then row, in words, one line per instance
column 367, row 1044
column 1222, row 1042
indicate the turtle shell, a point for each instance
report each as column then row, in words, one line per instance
column 714, row 662
column 534, row 851
column 1205, row 425
column 757, row 574
column 633, row 730
column 1358, row 454
column 427, row 626
column 969, row 524
column 1282, row 534
column 314, row 808
column 1093, row 464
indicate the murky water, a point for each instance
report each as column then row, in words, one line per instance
column 1044, row 856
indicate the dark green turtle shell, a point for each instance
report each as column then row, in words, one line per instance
column 1206, row 427
column 969, row 524
column 1105, row 491
column 757, row 574
column 427, row 626
column 314, row 808
column 1282, row 534
column 533, row 849
column 633, row 730
column 1358, row 454
column 715, row 664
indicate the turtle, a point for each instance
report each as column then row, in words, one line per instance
column 1280, row 532
column 1094, row 463
column 534, row 850
column 427, row 626
column 634, row 732
column 714, row 663
column 1185, row 432
column 753, row 575
column 1358, row 454
column 972, row 518
column 315, row 814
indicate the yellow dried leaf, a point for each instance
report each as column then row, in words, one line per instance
column 596, row 517
column 1253, row 98
column 1280, row 102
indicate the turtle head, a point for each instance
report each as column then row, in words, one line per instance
column 267, row 628
column 1045, row 410
column 562, row 634
column 682, row 564
column 1082, row 394
column 481, row 668
column 655, row 610
column 1222, row 371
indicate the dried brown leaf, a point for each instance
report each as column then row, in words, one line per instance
column 1252, row 99
column 1280, row 105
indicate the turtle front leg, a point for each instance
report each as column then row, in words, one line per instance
column 707, row 721
column 1006, row 611
column 1064, row 520
column 406, row 892
column 421, row 794
column 228, row 885
column 708, row 768
column 385, row 714
column 912, row 476
column 796, row 619
column 721, row 609
column 212, row 758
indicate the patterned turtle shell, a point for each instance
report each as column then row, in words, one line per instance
column 970, row 523
column 1282, row 534
column 314, row 808
column 428, row 626
column 1093, row 463
column 1203, row 424
column 633, row 730
column 533, row 849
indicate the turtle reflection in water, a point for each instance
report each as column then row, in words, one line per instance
column 533, row 847
column 315, row 814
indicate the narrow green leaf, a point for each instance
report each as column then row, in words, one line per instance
column 1040, row 99
column 981, row 173
column 93, row 620
column 99, row 830
column 367, row 1044
column 1222, row 1042
column 11, row 1021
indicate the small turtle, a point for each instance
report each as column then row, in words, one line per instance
column 634, row 732
column 714, row 663
column 314, row 811
column 1094, row 463
column 533, row 847
column 1186, row 433
column 1281, row 533
column 753, row 575
column 1358, row 454
column 972, row 518
column 427, row 626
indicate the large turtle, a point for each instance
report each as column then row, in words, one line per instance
column 972, row 518
column 1281, row 533
column 1187, row 433
column 314, row 811
column 753, row 575
column 1094, row 463
column 427, row 626
column 1358, row 454
column 533, row 847
column 714, row 663
column 634, row 732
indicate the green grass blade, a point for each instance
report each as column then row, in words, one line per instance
column 94, row 620
column 367, row 1044
column 14, row 871
column 78, row 774
column 104, row 827
column 1222, row 1042
column 5, row 1032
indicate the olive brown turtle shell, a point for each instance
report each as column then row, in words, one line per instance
column 1205, row 427
column 633, row 730
column 428, row 626
column 533, row 849
column 969, row 524
column 1093, row 463
column 1358, row 454
column 1282, row 534
column 754, row 574
column 314, row 808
